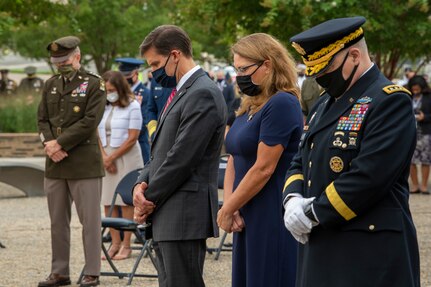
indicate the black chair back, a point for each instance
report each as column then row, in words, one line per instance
column 124, row 187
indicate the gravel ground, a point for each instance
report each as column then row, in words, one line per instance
column 25, row 231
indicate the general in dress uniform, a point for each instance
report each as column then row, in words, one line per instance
column 71, row 108
column 346, row 192
column 129, row 67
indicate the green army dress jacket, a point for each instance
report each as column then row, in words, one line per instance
column 70, row 113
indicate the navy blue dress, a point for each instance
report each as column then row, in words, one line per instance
column 264, row 253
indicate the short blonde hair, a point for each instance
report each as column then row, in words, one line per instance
column 260, row 47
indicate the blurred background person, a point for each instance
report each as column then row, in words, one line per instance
column 30, row 84
column 301, row 74
column 118, row 133
column 226, row 88
column 156, row 101
column 129, row 67
column 422, row 156
column 262, row 141
column 310, row 92
column 7, row 86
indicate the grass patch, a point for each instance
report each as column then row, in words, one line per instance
column 18, row 113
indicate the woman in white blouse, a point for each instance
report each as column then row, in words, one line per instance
column 118, row 134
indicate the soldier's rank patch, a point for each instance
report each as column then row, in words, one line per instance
column 76, row 109
column 336, row 164
column 390, row 89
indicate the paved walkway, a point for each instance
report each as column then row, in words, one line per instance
column 25, row 231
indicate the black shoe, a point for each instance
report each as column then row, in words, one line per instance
column 89, row 280
column 54, row 280
column 107, row 238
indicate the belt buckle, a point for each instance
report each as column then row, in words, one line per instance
column 58, row 131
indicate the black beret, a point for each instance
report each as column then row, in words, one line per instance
column 319, row 44
column 61, row 48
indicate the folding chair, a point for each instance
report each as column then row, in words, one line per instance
column 123, row 189
column 220, row 181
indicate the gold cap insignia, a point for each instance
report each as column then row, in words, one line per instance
column 76, row 109
column 298, row 48
column 336, row 164
column 54, row 47
column 102, row 85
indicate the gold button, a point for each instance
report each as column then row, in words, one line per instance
column 312, row 145
column 309, row 183
column 309, row 164
column 371, row 227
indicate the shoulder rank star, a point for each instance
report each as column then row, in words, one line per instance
column 390, row 89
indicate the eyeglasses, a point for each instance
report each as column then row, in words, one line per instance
column 242, row 70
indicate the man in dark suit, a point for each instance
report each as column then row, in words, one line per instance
column 346, row 193
column 71, row 108
column 178, row 188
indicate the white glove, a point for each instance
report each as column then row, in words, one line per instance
column 301, row 238
column 295, row 219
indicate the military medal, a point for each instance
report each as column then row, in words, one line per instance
column 82, row 89
column 76, row 109
column 336, row 164
column 54, row 90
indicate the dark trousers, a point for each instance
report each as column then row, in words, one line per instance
column 180, row 263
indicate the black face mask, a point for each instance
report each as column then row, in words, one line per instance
column 334, row 83
column 162, row 78
column 246, row 85
column 219, row 80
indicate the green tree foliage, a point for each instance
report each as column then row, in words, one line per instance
column 396, row 30
column 107, row 29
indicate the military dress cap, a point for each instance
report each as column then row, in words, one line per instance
column 29, row 70
column 61, row 49
column 320, row 44
column 4, row 70
column 127, row 65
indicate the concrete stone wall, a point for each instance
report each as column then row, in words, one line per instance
column 20, row 145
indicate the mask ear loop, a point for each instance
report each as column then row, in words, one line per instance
column 255, row 72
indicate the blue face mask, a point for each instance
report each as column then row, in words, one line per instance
column 163, row 79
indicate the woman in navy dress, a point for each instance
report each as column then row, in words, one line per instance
column 262, row 141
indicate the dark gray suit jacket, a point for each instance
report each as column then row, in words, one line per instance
column 183, row 167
